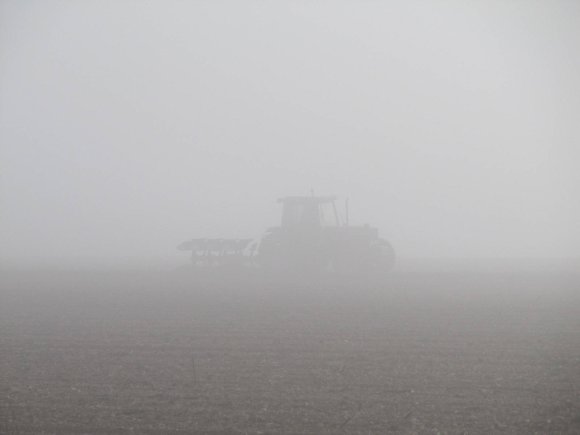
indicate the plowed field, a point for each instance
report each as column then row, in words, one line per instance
column 119, row 352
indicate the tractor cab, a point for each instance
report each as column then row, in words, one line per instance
column 309, row 212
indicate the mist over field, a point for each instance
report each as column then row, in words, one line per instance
column 289, row 217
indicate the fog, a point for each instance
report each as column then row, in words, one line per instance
column 128, row 127
column 168, row 258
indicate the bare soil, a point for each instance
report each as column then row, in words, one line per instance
column 415, row 352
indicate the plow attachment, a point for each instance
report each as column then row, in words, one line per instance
column 220, row 252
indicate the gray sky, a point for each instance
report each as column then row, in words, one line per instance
column 128, row 127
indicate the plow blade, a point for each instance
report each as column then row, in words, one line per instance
column 217, row 252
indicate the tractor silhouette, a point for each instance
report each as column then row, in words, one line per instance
column 311, row 237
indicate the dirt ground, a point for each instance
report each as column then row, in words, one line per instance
column 168, row 352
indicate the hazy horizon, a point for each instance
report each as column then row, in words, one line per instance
column 129, row 127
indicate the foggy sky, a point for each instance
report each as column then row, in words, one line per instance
column 128, row 127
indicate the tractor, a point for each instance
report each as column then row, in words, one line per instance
column 311, row 238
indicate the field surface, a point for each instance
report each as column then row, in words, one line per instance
column 174, row 353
